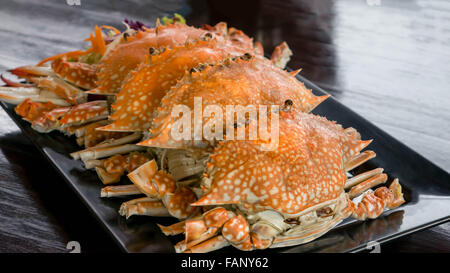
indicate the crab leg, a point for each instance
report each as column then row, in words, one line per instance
column 373, row 203
column 79, row 74
column 176, row 228
column 367, row 184
column 91, row 137
column 148, row 208
column 199, row 229
column 109, row 151
column 31, row 111
column 182, row 165
column 50, row 81
column 114, row 191
column 111, row 169
column 161, row 185
column 281, row 55
column 212, row 244
column 108, row 178
column 62, row 89
column 81, row 131
column 32, row 70
column 235, row 232
column 124, row 207
column 91, row 164
column 351, row 182
column 87, row 153
column 359, row 159
column 195, row 232
column 306, row 235
column 85, row 113
column 17, row 95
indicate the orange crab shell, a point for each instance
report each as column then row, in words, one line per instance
column 136, row 159
column 30, row 110
column 49, row 120
column 234, row 82
column 236, row 37
column 70, row 93
column 141, row 94
column 80, row 74
column 179, row 202
column 116, row 65
column 85, row 111
column 306, row 169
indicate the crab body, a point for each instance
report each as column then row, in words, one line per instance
column 250, row 194
column 287, row 196
column 146, row 86
column 242, row 81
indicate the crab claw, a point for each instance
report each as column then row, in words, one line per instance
column 82, row 75
column 62, row 118
column 61, row 88
column 92, row 136
column 32, row 70
column 50, row 120
column 152, row 182
column 143, row 206
column 13, row 83
column 30, row 110
column 199, row 230
column 84, row 113
column 111, row 169
column 202, row 234
column 160, row 185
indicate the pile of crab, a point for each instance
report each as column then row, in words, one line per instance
column 117, row 98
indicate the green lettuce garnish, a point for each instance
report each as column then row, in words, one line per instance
column 177, row 18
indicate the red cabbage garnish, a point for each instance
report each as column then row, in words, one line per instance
column 136, row 25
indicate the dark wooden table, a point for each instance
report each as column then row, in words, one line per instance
column 387, row 60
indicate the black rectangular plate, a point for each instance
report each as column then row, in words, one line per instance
column 426, row 187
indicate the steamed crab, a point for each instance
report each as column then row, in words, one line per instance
column 256, row 199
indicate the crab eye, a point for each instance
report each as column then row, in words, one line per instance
column 247, row 56
column 125, row 36
column 208, row 36
column 287, row 105
column 152, row 51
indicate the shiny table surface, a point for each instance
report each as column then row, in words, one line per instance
column 387, row 60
